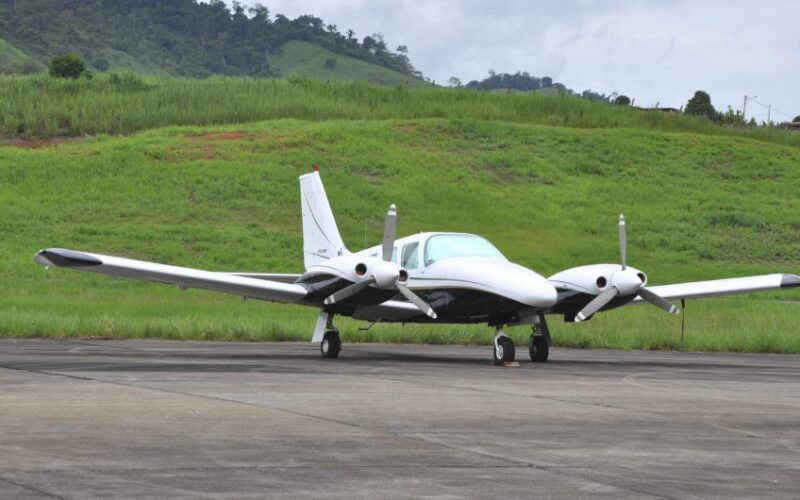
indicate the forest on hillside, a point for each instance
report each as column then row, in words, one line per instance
column 524, row 82
column 178, row 37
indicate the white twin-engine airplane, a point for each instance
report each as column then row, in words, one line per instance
column 425, row 278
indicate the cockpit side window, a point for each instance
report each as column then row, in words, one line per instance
column 410, row 256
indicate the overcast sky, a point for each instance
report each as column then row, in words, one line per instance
column 657, row 51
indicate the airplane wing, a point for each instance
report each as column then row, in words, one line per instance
column 184, row 277
column 279, row 277
column 729, row 286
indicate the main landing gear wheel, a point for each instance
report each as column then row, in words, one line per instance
column 539, row 349
column 503, row 350
column 331, row 345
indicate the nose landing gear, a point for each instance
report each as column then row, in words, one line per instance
column 503, row 348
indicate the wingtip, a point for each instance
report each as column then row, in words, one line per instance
column 790, row 281
column 60, row 257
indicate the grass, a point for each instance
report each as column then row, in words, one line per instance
column 46, row 107
column 298, row 58
column 699, row 206
column 13, row 60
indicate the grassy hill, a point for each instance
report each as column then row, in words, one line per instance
column 13, row 60
column 312, row 61
column 701, row 203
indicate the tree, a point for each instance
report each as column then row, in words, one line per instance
column 547, row 82
column 796, row 119
column 700, row 105
column 67, row 66
column 454, row 81
column 622, row 100
column 368, row 43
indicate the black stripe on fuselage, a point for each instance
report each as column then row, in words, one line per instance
column 452, row 304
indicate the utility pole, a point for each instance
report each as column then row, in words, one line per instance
column 744, row 109
column 744, row 106
column 769, row 114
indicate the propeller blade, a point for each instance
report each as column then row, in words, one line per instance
column 658, row 301
column 623, row 241
column 389, row 230
column 349, row 291
column 596, row 304
column 414, row 299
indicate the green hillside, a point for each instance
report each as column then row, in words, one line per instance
column 312, row 61
column 180, row 37
column 13, row 60
column 699, row 206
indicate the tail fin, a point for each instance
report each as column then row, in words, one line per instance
column 321, row 239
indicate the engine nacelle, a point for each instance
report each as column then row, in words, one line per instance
column 595, row 279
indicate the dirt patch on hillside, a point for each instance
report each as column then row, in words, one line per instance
column 38, row 143
column 218, row 136
column 407, row 127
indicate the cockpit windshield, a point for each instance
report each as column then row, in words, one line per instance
column 444, row 246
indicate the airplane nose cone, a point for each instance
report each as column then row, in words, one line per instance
column 539, row 293
column 524, row 286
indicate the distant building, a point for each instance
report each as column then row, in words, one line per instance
column 793, row 126
column 663, row 110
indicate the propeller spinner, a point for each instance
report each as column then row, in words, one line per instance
column 385, row 274
column 624, row 282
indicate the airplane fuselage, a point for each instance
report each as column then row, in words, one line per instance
column 462, row 276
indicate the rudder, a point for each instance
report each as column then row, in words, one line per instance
column 321, row 239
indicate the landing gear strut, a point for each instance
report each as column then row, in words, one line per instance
column 503, row 348
column 331, row 344
column 540, row 340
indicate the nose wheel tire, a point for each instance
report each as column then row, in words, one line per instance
column 503, row 350
column 539, row 349
column 331, row 345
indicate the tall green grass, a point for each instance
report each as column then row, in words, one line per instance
column 42, row 107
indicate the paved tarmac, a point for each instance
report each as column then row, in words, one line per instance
column 124, row 419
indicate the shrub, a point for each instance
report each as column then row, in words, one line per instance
column 622, row 100
column 67, row 66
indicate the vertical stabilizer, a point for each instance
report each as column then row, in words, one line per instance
column 321, row 240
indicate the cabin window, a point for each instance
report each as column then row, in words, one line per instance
column 445, row 246
column 410, row 256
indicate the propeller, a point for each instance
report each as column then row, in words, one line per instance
column 385, row 274
column 624, row 282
